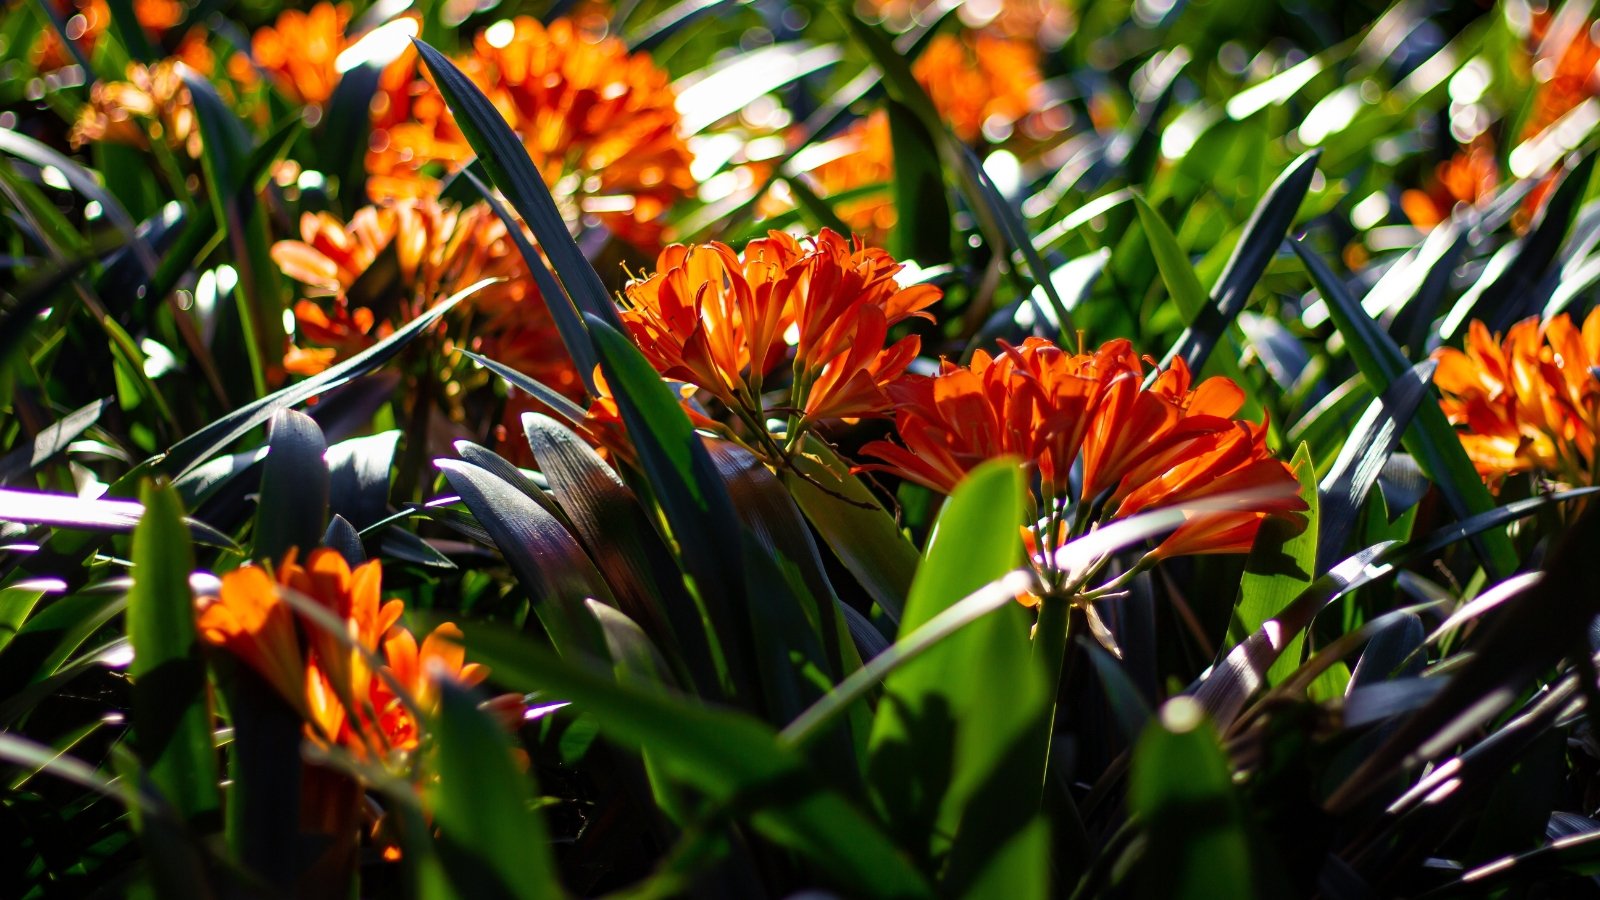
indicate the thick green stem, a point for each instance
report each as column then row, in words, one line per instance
column 1050, row 653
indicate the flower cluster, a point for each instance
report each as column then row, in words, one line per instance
column 1139, row 448
column 1469, row 178
column 153, row 103
column 438, row 249
column 981, row 84
column 599, row 122
column 86, row 20
column 332, row 679
column 815, row 314
column 1528, row 402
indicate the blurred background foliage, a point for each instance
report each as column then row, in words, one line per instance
column 258, row 303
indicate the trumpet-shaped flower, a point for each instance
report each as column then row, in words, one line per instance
column 361, row 679
column 600, row 123
column 1527, row 402
column 727, row 323
column 402, row 257
column 1140, row 448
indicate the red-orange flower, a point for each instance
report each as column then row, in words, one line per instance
column 1470, row 177
column 299, row 53
column 599, row 122
column 1140, row 448
column 86, row 20
column 1528, row 402
column 407, row 255
column 346, row 700
column 979, row 83
column 727, row 323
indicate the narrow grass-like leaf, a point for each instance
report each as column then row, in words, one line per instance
column 1263, row 234
column 509, row 167
column 1513, row 291
column 1432, row 440
column 171, row 703
column 732, row 758
column 550, row 565
column 940, row 752
column 1532, row 632
column 1176, row 271
column 1365, row 452
column 856, row 527
column 491, row 839
column 684, row 480
column 922, row 211
column 612, row 524
column 293, row 510
column 569, row 325
column 51, row 441
column 198, row 447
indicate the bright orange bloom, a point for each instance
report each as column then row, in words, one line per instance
column 1140, row 448
column 152, row 101
column 298, row 51
column 252, row 622
column 726, row 323
column 861, row 155
column 1046, row 22
column 600, row 123
column 1470, row 177
column 333, row 683
column 979, row 83
column 407, row 255
column 1564, row 75
column 1528, row 402
column 86, row 20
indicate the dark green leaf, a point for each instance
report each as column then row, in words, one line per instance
column 293, row 510
column 171, row 701
column 491, row 840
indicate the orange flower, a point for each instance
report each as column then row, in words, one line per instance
column 402, row 257
column 1470, row 177
column 86, row 20
column 1528, row 402
column 1047, row 22
column 153, row 100
column 725, row 323
column 1563, row 80
column 250, row 620
column 1140, row 448
column 333, row 683
column 599, row 122
column 862, row 155
column 299, row 52
column 980, row 84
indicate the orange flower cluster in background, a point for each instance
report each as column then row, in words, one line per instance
column 600, row 123
column 980, row 84
column 152, row 103
column 1528, row 402
column 1140, row 448
column 86, row 20
column 332, row 683
column 861, row 155
column 1470, row 177
column 725, row 323
column 1564, row 74
column 357, row 295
